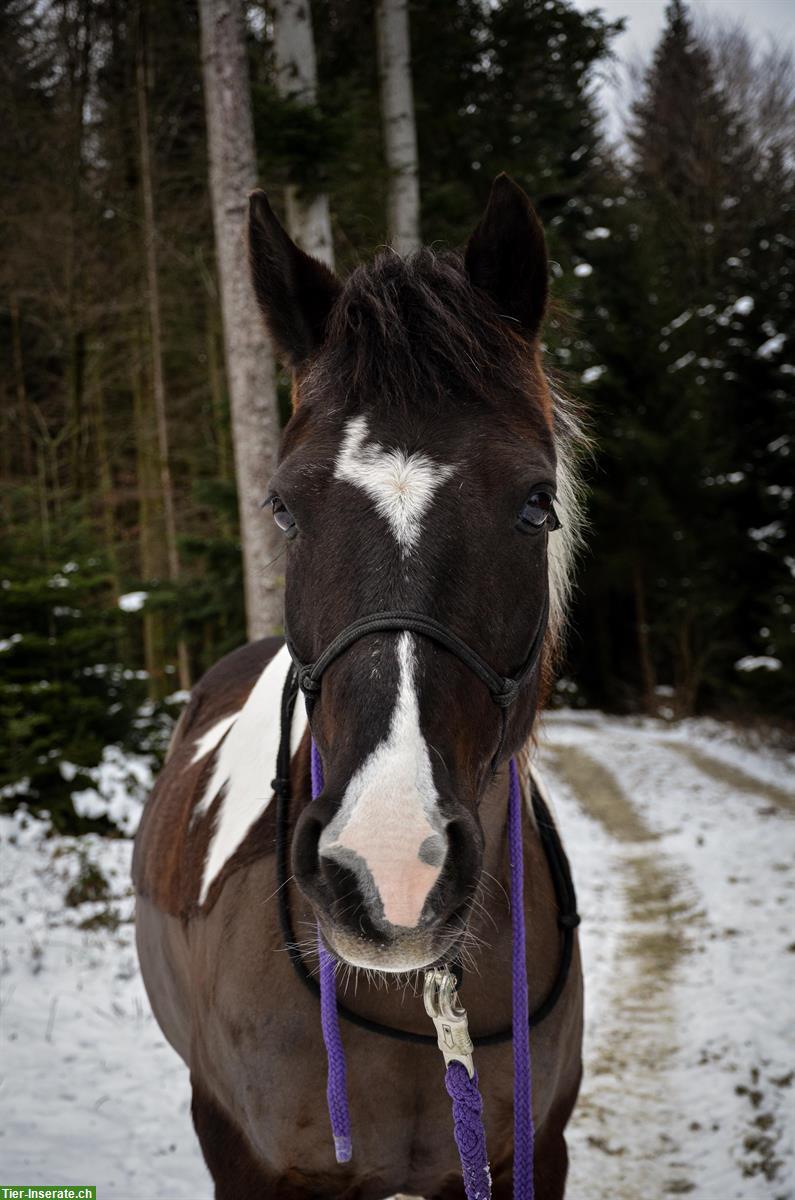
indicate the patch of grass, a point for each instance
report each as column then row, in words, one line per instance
column 107, row 918
column 90, row 884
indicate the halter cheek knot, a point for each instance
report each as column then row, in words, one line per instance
column 505, row 697
column 307, row 682
column 280, row 786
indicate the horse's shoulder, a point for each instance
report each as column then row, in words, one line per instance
column 163, row 861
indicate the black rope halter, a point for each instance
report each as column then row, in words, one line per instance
column 504, row 689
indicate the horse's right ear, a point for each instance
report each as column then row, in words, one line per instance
column 295, row 292
column 507, row 257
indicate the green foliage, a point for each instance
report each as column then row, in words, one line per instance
column 81, row 479
column 300, row 143
column 89, row 886
column 65, row 691
column 690, row 576
column 211, row 606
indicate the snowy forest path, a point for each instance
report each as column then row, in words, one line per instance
column 637, row 1032
column 684, row 883
column 735, row 778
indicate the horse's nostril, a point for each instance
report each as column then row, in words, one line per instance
column 462, row 861
column 433, row 850
column 305, row 846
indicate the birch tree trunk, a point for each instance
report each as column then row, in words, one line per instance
column 156, row 335
column 308, row 220
column 249, row 360
column 400, row 133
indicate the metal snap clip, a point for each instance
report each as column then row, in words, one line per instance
column 449, row 1016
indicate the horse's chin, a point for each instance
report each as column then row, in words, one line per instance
column 414, row 950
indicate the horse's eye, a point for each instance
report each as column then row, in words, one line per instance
column 283, row 517
column 539, row 510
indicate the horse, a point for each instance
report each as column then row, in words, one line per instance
column 423, row 469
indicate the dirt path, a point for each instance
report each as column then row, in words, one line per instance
column 683, row 857
column 630, row 1050
column 733, row 777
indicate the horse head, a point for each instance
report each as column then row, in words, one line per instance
column 417, row 474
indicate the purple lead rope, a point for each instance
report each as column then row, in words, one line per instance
column 467, row 1103
column 523, row 1129
column 468, row 1131
column 337, row 1085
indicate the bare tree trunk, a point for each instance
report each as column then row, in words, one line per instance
column 215, row 377
column 106, row 496
column 78, row 68
column 105, row 479
column 44, row 511
column 154, row 651
column 688, row 667
column 51, row 444
column 400, row 132
column 644, row 650
column 158, row 380
column 23, row 418
column 249, row 361
column 308, row 218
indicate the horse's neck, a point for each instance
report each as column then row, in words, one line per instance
column 493, row 814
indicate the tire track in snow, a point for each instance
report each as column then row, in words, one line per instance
column 731, row 776
column 627, row 1054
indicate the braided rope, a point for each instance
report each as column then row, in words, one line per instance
column 468, row 1131
column 523, row 1130
column 337, row 1084
column 467, row 1103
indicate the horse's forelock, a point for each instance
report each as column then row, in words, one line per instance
column 413, row 330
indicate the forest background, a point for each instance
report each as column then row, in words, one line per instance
column 672, row 258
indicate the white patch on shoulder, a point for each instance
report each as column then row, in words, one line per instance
column 401, row 485
column 245, row 766
column 390, row 814
column 212, row 736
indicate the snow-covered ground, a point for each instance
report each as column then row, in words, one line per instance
column 682, row 845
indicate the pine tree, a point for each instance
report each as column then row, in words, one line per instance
column 671, row 581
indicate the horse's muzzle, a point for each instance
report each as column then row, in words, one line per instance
column 387, row 901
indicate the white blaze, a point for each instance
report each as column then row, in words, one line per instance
column 401, row 485
column 390, row 810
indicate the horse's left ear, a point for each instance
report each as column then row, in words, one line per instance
column 507, row 257
column 295, row 291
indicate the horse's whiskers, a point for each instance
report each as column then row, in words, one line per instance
column 476, row 904
column 287, row 881
column 487, row 875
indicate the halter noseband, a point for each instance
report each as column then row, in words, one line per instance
column 503, row 689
